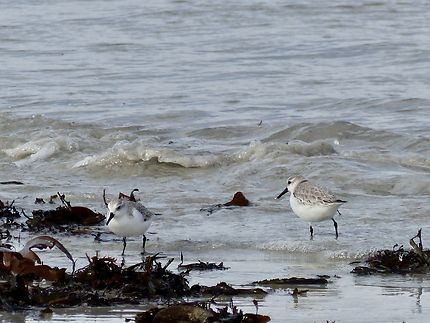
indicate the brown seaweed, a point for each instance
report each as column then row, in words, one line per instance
column 39, row 200
column 223, row 288
column 43, row 242
column 238, row 199
column 255, row 318
column 397, row 260
column 181, row 313
column 292, row 281
column 8, row 210
column 102, row 282
column 197, row 312
column 26, row 263
column 63, row 215
column 148, row 279
column 200, row 265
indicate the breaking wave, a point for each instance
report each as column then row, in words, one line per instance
column 39, row 150
column 138, row 151
column 125, row 153
column 80, row 145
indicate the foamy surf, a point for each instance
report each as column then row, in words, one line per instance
column 330, row 249
column 32, row 152
column 37, row 151
column 136, row 152
column 123, row 153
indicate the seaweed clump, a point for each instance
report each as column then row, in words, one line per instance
column 18, row 270
column 148, row 279
column 238, row 199
column 397, row 260
column 200, row 265
column 197, row 312
column 63, row 215
column 8, row 210
column 225, row 289
column 292, row 281
column 102, row 282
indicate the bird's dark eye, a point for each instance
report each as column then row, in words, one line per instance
column 289, row 182
column 118, row 207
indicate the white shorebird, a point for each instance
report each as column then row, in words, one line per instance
column 126, row 218
column 310, row 202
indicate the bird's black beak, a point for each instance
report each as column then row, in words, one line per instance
column 110, row 218
column 283, row 192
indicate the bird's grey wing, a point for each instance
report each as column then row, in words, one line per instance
column 327, row 197
column 144, row 211
column 316, row 194
column 304, row 193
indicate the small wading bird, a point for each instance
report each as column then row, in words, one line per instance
column 310, row 202
column 128, row 218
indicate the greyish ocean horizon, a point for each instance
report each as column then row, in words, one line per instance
column 192, row 101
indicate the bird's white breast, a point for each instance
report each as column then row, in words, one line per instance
column 129, row 225
column 312, row 212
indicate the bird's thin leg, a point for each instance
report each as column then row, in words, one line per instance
column 311, row 230
column 124, row 240
column 335, row 227
column 143, row 244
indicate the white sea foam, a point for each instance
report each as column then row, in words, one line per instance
column 134, row 152
column 347, row 254
column 23, row 151
column 282, row 245
column 312, row 248
column 139, row 151
column 39, row 150
column 32, row 152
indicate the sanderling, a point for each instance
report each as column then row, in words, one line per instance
column 310, row 202
column 127, row 217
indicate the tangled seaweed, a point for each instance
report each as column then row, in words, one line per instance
column 27, row 264
column 200, row 265
column 8, row 210
column 292, row 281
column 102, row 282
column 224, row 289
column 199, row 312
column 397, row 260
column 62, row 216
